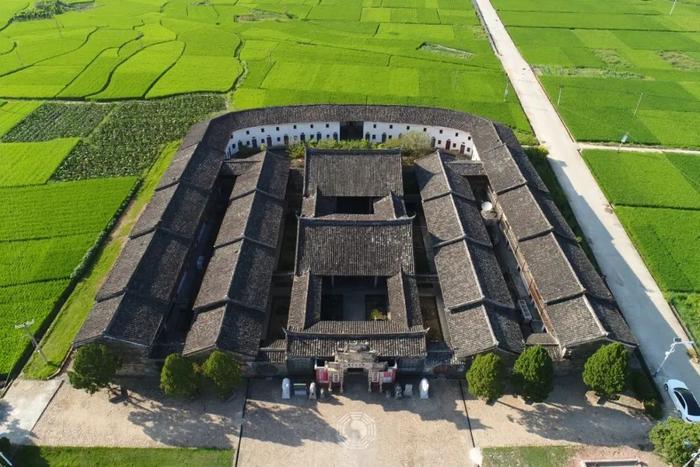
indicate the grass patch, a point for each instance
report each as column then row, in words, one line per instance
column 59, row 338
column 529, row 456
column 108, row 457
column 688, row 307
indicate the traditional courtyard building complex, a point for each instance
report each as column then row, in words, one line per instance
column 352, row 259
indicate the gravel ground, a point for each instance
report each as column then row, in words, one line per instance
column 570, row 416
column 75, row 418
column 355, row 428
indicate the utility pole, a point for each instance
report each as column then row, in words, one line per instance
column 676, row 341
column 505, row 92
column 641, row 94
column 559, row 96
column 673, row 7
column 7, row 461
column 25, row 327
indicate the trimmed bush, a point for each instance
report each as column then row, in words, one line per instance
column 485, row 377
column 605, row 372
column 94, row 367
column 675, row 440
column 533, row 374
column 178, row 377
column 224, row 371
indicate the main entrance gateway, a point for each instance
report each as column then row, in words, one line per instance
column 355, row 356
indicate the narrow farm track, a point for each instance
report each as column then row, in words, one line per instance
column 655, row 149
column 638, row 295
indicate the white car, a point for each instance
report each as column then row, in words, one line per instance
column 683, row 399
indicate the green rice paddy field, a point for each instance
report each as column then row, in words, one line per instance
column 90, row 96
column 66, row 169
column 608, row 57
column 428, row 52
column 657, row 198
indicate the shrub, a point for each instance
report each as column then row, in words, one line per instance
column 94, row 367
column 605, row 372
column 533, row 374
column 645, row 392
column 178, row 377
column 224, row 371
column 675, row 440
column 485, row 377
column 413, row 144
column 5, row 446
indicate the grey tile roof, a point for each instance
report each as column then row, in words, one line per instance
column 526, row 168
column 470, row 331
column 409, row 345
column 239, row 271
column 200, row 169
column 404, row 304
column 305, row 301
column 229, row 327
column 178, row 208
column 550, row 269
column 503, row 172
column 585, row 272
column 468, row 168
column 232, row 301
column 149, row 265
column 523, row 213
column 137, row 320
column 254, row 216
column 574, row 322
column 612, row 320
column 355, row 248
column 268, row 173
column 353, row 172
column 436, row 178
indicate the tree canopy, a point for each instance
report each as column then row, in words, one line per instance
column 94, row 367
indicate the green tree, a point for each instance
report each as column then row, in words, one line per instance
column 5, row 446
column 178, row 377
column 675, row 440
column 485, row 377
column 533, row 373
column 94, row 367
column 605, row 372
column 224, row 371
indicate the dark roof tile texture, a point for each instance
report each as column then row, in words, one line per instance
column 353, row 172
column 354, row 248
column 574, row 322
column 241, row 271
column 551, row 270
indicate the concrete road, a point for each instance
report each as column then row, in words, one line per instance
column 22, row 407
column 638, row 295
